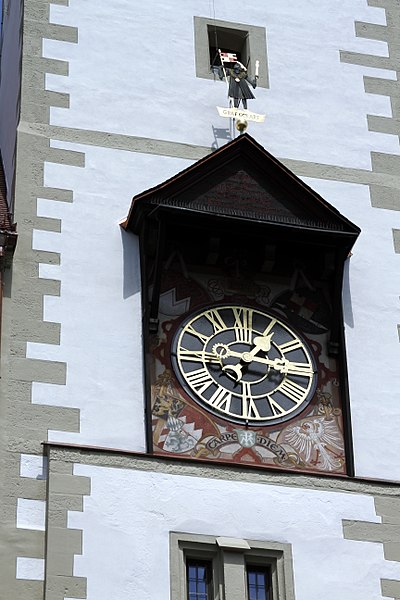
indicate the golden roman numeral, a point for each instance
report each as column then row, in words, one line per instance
column 271, row 324
column 292, row 390
column 276, row 408
column 249, row 408
column 200, row 380
column 289, row 346
column 296, row 368
column 221, row 399
column 216, row 320
column 243, row 325
column 193, row 331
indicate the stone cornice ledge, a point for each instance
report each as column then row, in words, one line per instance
column 118, row 458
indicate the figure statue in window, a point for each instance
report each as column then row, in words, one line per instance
column 239, row 83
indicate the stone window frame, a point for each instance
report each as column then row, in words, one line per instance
column 228, row 557
column 257, row 47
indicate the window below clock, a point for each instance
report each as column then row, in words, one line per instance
column 199, row 579
column 247, row 42
column 220, row 568
column 259, row 584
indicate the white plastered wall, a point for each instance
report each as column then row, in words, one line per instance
column 371, row 311
column 138, row 69
column 125, row 536
column 100, row 306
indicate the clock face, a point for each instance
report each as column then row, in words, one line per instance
column 244, row 364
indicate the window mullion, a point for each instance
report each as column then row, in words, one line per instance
column 234, row 575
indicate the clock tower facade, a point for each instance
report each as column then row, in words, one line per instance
column 199, row 329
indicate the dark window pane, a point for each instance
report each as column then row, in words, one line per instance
column 251, row 577
column 258, row 583
column 227, row 40
column 198, row 580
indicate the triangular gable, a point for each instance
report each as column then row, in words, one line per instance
column 241, row 192
column 243, row 180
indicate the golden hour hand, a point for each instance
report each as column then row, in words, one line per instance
column 261, row 342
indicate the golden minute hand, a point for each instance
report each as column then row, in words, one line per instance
column 278, row 364
column 249, row 356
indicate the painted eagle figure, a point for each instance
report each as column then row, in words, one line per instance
column 312, row 437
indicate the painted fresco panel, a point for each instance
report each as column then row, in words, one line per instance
column 311, row 441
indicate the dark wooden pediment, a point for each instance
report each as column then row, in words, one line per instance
column 244, row 182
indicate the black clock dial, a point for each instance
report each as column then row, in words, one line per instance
column 244, row 364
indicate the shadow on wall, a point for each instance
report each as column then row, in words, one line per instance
column 131, row 265
column 346, row 296
column 221, row 137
